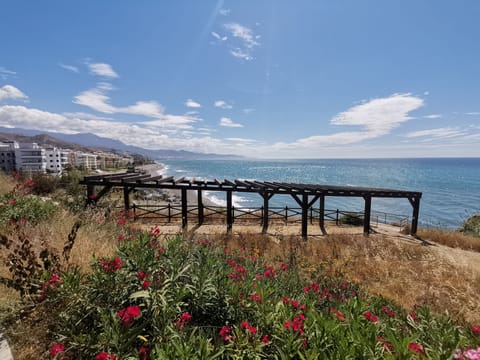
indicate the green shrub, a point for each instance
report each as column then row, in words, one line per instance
column 471, row 226
column 177, row 299
column 19, row 208
column 352, row 219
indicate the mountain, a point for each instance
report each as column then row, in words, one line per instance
column 91, row 141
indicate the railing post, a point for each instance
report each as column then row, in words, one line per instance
column 169, row 213
column 336, row 220
column 286, row 215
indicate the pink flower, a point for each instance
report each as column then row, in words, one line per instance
column 371, row 317
column 415, row 347
column 54, row 278
column 385, row 344
column 265, row 339
column 105, row 356
column 128, row 314
column 56, row 349
column 476, row 329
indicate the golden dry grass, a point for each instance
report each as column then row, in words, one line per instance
column 398, row 268
column 452, row 239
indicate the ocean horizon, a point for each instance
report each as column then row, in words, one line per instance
column 449, row 186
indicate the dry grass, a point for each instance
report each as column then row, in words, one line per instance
column 452, row 239
column 398, row 268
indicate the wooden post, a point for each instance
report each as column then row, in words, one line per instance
column 304, row 216
column 126, row 197
column 415, row 202
column 200, row 207
column 366, row 216
column 184, row 209
column 229, row 211
column 266, row 197
column 322, row 214
column 90, row 194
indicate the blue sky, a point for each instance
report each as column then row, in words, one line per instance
column 271, row 79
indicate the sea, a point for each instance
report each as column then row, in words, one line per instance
column 450, row 186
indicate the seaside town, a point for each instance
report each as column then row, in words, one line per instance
column 31, row 157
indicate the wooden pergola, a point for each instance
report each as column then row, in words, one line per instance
column 305, row 195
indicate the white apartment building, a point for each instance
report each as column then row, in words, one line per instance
column 86, row 161
column 30, row 157
column 54, row 160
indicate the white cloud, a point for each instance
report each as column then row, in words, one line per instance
column 432, row 116
column 69, row 68
column 149, row 135
column 224, row 121
column 96, row 99
column 474, row 113
column 11, row 92
column 219, row 37
column 102, row 69
column 222, row 104
column 242, row 32
column 380, row 116
column 192, row 104
column 248, row 111
column 436, row 133
column 247, row 38
column 5, row 73
column 241, row 140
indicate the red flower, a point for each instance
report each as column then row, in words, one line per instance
column 385, row 344
column 415, row 347
column 105, row 356
column 142, row 275
column 225, row 334
column 256, row 298
column 265, row 339
column 284, row 267
column 145, row 285
column 413, row 315
column 12, row 202
column 143, row 353
column 128, row 314
column 371, row 317
column 388, row 311
column 286, row 300
column 183, row 320
column 246, row 325
column 57, row 349
column 54, row 278
column 476, row 329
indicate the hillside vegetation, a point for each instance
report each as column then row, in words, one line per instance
column 82, row 283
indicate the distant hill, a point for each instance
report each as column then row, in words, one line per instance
column 86, row 141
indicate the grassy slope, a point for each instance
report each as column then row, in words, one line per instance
column 397, row 268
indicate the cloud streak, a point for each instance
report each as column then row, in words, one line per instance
column 227, row 122
column 103, row 70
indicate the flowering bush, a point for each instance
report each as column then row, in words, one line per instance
column 203, row 303
column 16, row 208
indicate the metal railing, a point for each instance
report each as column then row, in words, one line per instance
column 288, row 215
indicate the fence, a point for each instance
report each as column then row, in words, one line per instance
column 288, row 215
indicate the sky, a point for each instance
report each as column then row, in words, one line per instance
column 266, row 79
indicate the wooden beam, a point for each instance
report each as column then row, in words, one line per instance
column 366, row 215
column 200, row 207
column 229, row 211
column 184, row 208
column 91, row 197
